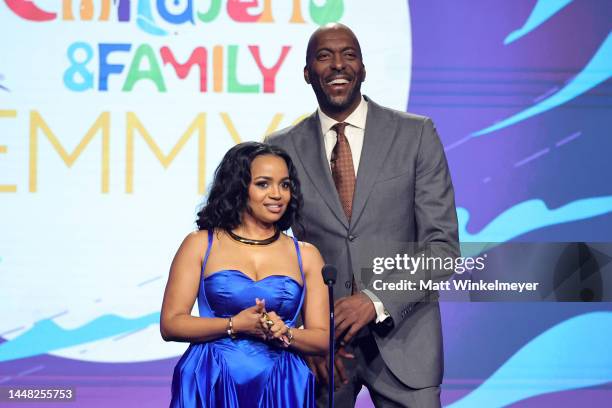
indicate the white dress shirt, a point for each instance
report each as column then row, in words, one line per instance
column 354, row 131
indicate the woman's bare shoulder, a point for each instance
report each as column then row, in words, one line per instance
column 310, row 254
column 196, row 241
column 308, row 247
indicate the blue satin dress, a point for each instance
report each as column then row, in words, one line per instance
column 244, row 372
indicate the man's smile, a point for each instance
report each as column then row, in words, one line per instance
column 338, row 83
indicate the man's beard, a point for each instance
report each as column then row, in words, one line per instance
column 340, row 103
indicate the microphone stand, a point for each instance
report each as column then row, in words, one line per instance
column 329, row 273
column 330, row 395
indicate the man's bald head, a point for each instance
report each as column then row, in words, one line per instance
column 335, row 70
column 321, row 31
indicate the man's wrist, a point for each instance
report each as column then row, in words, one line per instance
column 381, row 313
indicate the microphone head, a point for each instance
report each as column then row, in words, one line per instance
column 329, row 274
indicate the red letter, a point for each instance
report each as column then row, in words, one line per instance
column 237, row 10
column 198, row 56
column 29, row 11
column 269, row 74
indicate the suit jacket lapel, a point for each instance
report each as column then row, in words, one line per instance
column 311, row 152
column 379, row 133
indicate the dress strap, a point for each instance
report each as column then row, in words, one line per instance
column 299, row 256
column 210, row 241
column 203, row 306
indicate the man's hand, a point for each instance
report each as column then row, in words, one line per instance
column 318, row 365
column 351, row 314
column 340, row 376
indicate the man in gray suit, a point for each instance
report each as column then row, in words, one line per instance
column 375, row 183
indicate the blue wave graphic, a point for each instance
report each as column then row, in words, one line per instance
column 4, row 88
column 597, row 71
column 573, row 354
column 145, row 21
column 531, row 215
column 46, row 336
column 542, row 12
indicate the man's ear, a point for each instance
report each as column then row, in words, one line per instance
column 364, row 74
column 306, row 75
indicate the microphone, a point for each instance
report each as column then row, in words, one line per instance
column 330, row 273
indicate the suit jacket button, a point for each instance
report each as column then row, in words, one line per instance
column 348, row 284
column 352, row 237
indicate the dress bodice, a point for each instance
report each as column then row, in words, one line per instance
column 229, row 291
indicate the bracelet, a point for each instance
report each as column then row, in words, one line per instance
column 230, row 328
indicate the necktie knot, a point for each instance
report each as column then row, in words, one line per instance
column 339, row 128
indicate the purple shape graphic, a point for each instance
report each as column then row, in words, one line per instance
column 568, row 139
column 532, row 157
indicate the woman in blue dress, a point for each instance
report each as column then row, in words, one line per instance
column 252, row 284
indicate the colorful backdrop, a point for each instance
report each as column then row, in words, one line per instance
column 114, row 114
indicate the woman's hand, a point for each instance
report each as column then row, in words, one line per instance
column 275, row 329
column 248, row 321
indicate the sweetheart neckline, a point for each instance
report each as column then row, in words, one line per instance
column 251, row 279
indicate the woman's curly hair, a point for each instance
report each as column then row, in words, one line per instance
column 229, row 193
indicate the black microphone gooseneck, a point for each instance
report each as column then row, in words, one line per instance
column 329, row 273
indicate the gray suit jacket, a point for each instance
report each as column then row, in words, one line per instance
column 403, row 195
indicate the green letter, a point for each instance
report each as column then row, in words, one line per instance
column 331, row 12
column 232, row 76
column 136, row 74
